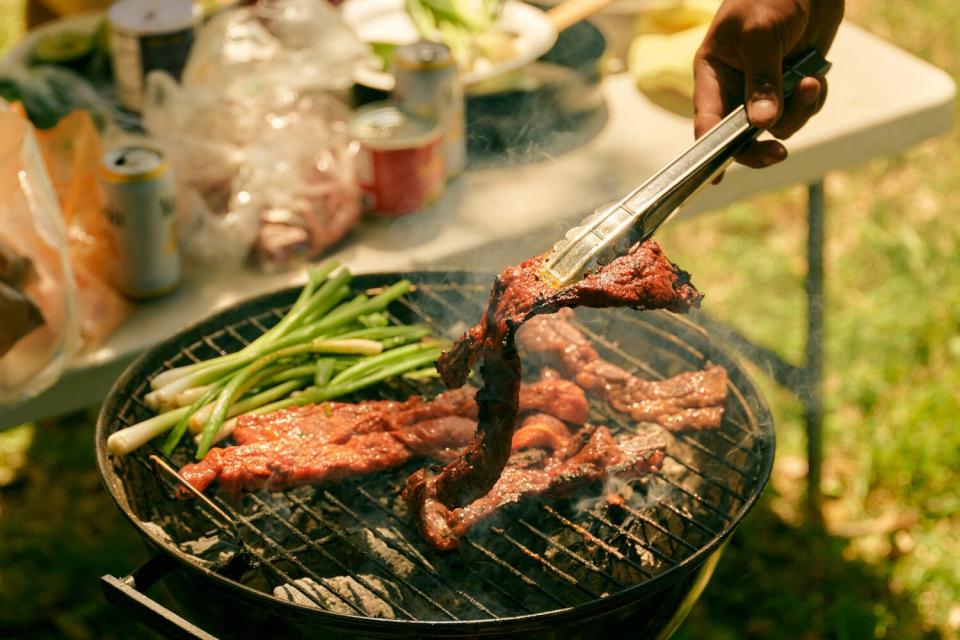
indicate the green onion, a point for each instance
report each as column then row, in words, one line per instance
column 337, row 345
column 230, row 391
column 322, row 394
column 323, row 371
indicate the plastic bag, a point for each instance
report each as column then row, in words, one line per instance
column 32, row 230
column 301, row 44
column 72, row 152
column 263, row 160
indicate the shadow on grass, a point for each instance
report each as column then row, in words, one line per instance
column 780, row 581
column 59, row 532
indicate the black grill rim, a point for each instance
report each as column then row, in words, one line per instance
column 494, row 626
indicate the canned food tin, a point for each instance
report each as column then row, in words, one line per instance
column 147, row 35
column 139, row 207
column 400, row 164
column 428, row 86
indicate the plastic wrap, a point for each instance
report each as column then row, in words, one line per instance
column 300, row 44
column 34, row 240
column 261, row 152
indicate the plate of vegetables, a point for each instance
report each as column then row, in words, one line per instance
column 486, row 37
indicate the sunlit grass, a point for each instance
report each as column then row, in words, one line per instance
column 892, row 345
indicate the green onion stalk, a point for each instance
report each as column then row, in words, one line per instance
column 291, row 335
column 324, row 347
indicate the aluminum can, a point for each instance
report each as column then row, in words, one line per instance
column 400, row 165
column 428, row 86
column 149, row 35
column 140, row 210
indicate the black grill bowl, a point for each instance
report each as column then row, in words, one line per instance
column 572, row 568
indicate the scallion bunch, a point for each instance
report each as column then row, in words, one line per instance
column 326, row 346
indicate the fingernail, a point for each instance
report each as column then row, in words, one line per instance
column 810, row 96
column 774, row 156
column 763, row 110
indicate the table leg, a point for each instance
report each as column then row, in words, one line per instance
column 805, row 381
column 812, row 388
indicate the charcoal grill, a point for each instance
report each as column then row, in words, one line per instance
column 573, row 568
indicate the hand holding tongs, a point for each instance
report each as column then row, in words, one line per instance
column 611, row 231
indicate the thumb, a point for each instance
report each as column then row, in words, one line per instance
column 762, row 57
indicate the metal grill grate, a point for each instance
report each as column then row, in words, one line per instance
column 350, row 549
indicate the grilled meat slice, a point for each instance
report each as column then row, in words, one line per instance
column 689, row 400
column 339, row 421
column 557, row 397
column 294, row 461
column 478, row 467
column 320, row 443
column 642, row 279
column 577, row 460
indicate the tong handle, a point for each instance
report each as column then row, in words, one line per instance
column 639, row 214
column 660, row 196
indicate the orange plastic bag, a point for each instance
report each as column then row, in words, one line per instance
column 33, row 234
column 72, row 152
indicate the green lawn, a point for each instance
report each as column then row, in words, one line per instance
column 887, row 564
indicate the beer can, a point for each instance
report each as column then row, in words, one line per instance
column 427, row 85
column 139, row 207
column 149, row 35
column 400, row 164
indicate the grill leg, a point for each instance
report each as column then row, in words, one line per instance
column 812, row 390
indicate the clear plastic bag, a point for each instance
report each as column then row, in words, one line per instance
column 34, row 240
column 301, row 44
column 261, row 151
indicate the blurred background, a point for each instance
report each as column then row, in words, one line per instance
column 887, row 562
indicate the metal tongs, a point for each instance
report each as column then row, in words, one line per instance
column 611, row 231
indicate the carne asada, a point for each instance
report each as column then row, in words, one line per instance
column 689, row 400
column 576, row 460
column 326, row 442
column 642, row 279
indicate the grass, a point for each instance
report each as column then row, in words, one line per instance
column 885, row 566
column 888, row 564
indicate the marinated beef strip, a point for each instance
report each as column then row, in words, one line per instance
column 642, row 279
column 339, row 421
column 690, row 400
column 577, row 460
column 322, row 443
column 295, row 461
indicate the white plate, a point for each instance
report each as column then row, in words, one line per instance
column 388, row 21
